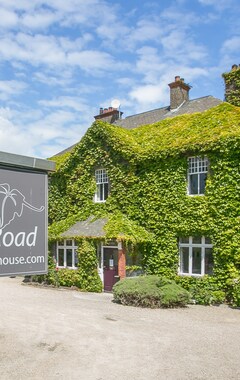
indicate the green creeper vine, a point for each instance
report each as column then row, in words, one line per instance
column 232, row 84
column 148, row 202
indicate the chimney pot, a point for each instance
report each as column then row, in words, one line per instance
column 179, row 92
column 234, row 67
column 109, row 114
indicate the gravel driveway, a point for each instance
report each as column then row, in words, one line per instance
column 64, row 334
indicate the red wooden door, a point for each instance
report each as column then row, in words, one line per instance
column 110, row 268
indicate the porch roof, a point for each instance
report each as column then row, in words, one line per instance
column 87, row 228
column 111, row 226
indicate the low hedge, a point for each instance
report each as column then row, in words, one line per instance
column 85, row 277
column 150, row 291
column 203, row 290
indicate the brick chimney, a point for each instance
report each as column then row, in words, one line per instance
column 179, row 92
column 232, row 87
column 109, row 114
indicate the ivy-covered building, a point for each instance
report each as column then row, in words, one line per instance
column 157, row 191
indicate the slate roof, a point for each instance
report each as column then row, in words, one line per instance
column 150, row 117
column 69, row 149
column 153, row 116
column 87, row 228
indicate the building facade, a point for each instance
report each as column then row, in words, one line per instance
column 161, row 197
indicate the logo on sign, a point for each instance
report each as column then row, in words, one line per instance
column 12, row 203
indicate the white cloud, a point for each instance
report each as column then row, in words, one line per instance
column 14, row 139
column 36, row 49
column 218, row 4
column 230, row 53
column 8, row 19
column 61, row 128
column 54, row 79
column 91, row 60
column 71, row 102
column 39, row 20
column 148, row 94
column 231, row 45
column 11, row 88
column 51, row 52
column 179, row 46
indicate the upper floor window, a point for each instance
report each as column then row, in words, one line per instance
column 196, row 256
column 66, row 254
column 197, row 175
column 102, row 183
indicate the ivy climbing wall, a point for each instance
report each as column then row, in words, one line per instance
column 232, row 85
column 147, row 168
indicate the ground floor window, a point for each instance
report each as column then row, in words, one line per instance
column 196, row 256
column 66, row 254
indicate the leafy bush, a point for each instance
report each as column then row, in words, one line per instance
column 87, row 268
column 85, row 278
column 233, row 291
column 203, row 290
column 150, row 291
column 48, row 278
column 236, row 296
column 67, row 277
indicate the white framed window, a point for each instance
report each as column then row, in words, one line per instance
column 102, row 183
column 197, row 175
column 66, row 254
column 196, row 258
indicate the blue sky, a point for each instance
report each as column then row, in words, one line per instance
column 60, row 60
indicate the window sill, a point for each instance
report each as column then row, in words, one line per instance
column 190, row 275
column 195, row 195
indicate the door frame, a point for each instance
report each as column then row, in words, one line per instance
column 101, row 251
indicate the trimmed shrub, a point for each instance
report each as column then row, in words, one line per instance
column 150, row 291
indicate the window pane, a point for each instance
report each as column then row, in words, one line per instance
column 208, row 240
column 196, row 260
column 68, row 242
column 69, row 257
column 193, row 184
column 102, row 185
column 61, row 257
column 193, row 165
column 105, row 191
column 101, row 176
column 101, row 189
column 208, row 261
column 184, row 240
column 184, row 264
column 203, row 178
column 196, row 239
column 61, row 242
column 104, row 176
column 203, row 164
column 98, row 192
column 75, row 258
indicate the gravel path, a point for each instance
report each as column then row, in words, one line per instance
column 61, row 334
